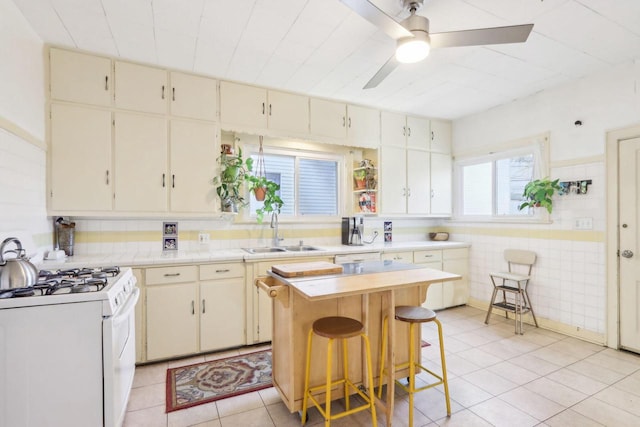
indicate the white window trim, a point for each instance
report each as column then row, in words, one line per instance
column 249, row 149
column 538, row 145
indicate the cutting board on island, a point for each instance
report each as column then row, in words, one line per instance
column 315, row 268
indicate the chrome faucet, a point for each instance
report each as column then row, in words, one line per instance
column 274, row 224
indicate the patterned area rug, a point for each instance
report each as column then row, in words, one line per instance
column 193, row 385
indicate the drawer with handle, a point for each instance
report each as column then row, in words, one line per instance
column 221, row 271
column 167, row 275
column 398, row 256
column 427, row 256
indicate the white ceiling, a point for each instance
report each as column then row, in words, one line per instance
column 322, row 48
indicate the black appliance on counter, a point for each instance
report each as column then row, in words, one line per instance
column 352, row 230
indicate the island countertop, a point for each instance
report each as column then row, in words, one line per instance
column 364, row 277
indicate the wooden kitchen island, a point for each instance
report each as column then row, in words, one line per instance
column 366, row 291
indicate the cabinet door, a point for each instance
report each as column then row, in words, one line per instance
column 80, row 158
column 393, row 180
column 141, row 88
column 455, row 292
column 140, row 163
column 242, row 105
column 193, row 96
column 81, row 78
column 193, row 153
column 418, row 186
column 363, row 126
column 441, row 176
column 393, row 129
column 288, row 112
column 328, row 118
column 172, row 320
column 222, row 314
column 417, row 133
column 441, row 136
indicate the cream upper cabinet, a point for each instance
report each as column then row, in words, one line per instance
column 418, row 133
column 78, row 77
column 328, row 118
column 440, row 136
column 243, row 105
column 404, row 131
column 193, row 145
column 193, row 96
column 80, row 155
column 418, row 182
column 141, row 177
column 441, row 187
column 288, row 112
column 141, row 88
column 363, row 126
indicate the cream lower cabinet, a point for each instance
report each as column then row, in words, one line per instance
column 259, row 305
column 222, row 306
column 446, row 294
column 194, row 309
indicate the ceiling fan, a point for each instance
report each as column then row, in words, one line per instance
column 414, row 40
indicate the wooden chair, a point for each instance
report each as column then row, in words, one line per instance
column 512, row 284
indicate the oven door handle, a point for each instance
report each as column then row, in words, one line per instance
column 123, row 313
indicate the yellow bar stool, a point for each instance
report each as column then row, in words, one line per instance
column 414, row 315
column 342, row 328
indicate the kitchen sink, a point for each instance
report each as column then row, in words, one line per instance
column 301, row 248
column 263, row 250
column 296, row 248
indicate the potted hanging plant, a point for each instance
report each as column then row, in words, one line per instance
column 271, row 200
column 229, row 185
column 538, row 193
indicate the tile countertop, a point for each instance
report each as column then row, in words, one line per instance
column 138, row 259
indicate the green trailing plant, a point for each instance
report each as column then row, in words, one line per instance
column 229, row 185
column 272, row 201
column 539, row 192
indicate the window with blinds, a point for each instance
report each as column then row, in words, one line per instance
column 308, row 183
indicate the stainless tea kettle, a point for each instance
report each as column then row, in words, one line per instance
column 16, row 272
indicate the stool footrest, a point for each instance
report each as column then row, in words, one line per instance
column 507, row 306
column 333, row 384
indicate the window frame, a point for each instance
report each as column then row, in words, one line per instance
column 251, row 149
column 538, row 146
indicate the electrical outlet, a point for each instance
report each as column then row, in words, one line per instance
column 203, row 237
column 583, row 223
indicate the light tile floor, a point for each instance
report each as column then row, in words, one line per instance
column 496, row 378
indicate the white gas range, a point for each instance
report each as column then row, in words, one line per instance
column 67, row 349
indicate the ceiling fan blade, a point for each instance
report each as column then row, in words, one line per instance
column 377, row 17
column 482, row 36
column 382, row 73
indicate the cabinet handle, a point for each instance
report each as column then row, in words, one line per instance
column 263, row 108
column 408, row 192
column 432, row 136
column 428, row 256
column 171, row 274
column 433, row 194
column 173, row 181
column 269, row 109
column 163, row 184
column 349, row 121
column 193, row 307
column 224, row 270
column 408, row 131
column 173, row 93
column 344, row 121
column 107, row 177
column 162, row 91
column 404, row 192
column 106, row 82
column 404, row 131
column 203, row 308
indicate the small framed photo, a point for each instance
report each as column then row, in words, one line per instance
column 170, row 228
column 170, row 244
column 388, row 226
column 388, row 237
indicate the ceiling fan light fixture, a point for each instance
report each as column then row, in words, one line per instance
column 413, row 49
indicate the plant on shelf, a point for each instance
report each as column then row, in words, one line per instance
column 272, row 201
column 360, row 177
column 229, row 185
column 538, row 193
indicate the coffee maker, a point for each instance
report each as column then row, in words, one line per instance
column 352, row 230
